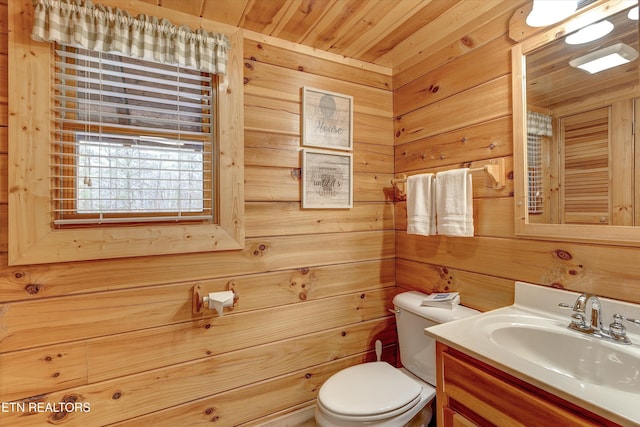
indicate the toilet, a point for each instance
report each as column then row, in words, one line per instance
column 379, row 395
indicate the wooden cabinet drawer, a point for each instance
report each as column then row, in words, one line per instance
column 454, row 419
column 503, row 400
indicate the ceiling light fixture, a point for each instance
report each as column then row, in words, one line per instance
column 590, row 33
column 547, row 12
column 633, row 14
column 608, row 57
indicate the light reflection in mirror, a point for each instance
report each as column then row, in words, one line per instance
column 581, row 167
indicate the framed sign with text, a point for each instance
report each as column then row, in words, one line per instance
column 327, row 179
column 327, row 119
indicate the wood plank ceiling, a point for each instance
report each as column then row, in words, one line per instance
column 382, row 32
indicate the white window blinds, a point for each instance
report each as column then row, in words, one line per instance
column 133, row 142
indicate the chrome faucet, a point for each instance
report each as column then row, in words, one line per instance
column 580, row 307
column 616, row 331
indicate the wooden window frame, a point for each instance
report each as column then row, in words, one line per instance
column 32, row 237
column 67, row 170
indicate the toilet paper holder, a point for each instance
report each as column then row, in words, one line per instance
column 202, row 300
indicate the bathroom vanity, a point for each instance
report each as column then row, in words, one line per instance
column 523, row 365
column 471, row 392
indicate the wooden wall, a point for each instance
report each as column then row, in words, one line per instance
column 314, row 286
column 454, row 109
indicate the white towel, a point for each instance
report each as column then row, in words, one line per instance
column 454, row 203
column 421, row 211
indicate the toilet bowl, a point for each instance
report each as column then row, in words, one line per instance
column 376, row 394
column 373, row 394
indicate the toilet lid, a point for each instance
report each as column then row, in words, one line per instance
column 368, row 389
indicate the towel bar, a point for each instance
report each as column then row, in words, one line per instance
column 494, row 170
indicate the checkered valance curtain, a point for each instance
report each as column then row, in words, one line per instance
column 539, row 124
column 99, row 28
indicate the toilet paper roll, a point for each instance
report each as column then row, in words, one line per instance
column 218, row 300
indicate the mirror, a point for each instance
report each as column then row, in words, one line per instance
column 576, row 156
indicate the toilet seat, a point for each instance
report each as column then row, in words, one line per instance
column 369, row 392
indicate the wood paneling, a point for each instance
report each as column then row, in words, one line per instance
column 478, row 291
column 491, row 61
column 476, row 105
column 41, row 370
column 397, row 34
column 156, row 389
column 259, row 255
column 486, row 140
column 467, row 125
column 314, row 286
column 453, row 49
column 258, row 51
column 573, row 266
column 584, row 189
column 362, row 217
column 276, row 83
column 241, row 406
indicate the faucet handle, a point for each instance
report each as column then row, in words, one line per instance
column 579, row 320
column 620, row 317
column 617, row 331
column 617, row 328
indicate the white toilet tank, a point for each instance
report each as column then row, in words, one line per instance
column 417, row 350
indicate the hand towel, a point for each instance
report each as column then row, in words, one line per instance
column 454, row 203
column 421, row 211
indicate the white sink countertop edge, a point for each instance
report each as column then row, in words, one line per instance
column 539, row 302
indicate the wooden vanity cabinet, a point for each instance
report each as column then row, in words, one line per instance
column 472, row 393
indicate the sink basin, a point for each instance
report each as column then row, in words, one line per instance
column 569, row 353
column 531, row 341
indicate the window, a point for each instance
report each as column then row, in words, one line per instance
column 34, row 236
column 539, row 130
column 133, row 140
column 535, row 174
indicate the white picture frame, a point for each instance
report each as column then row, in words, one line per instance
column 327, row 119
column 327, row 179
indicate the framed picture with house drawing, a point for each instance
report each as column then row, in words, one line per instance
column 327, row 119
column 327, row 179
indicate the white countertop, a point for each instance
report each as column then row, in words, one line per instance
column 536, row 307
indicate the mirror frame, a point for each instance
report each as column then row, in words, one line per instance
column 604, row 234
